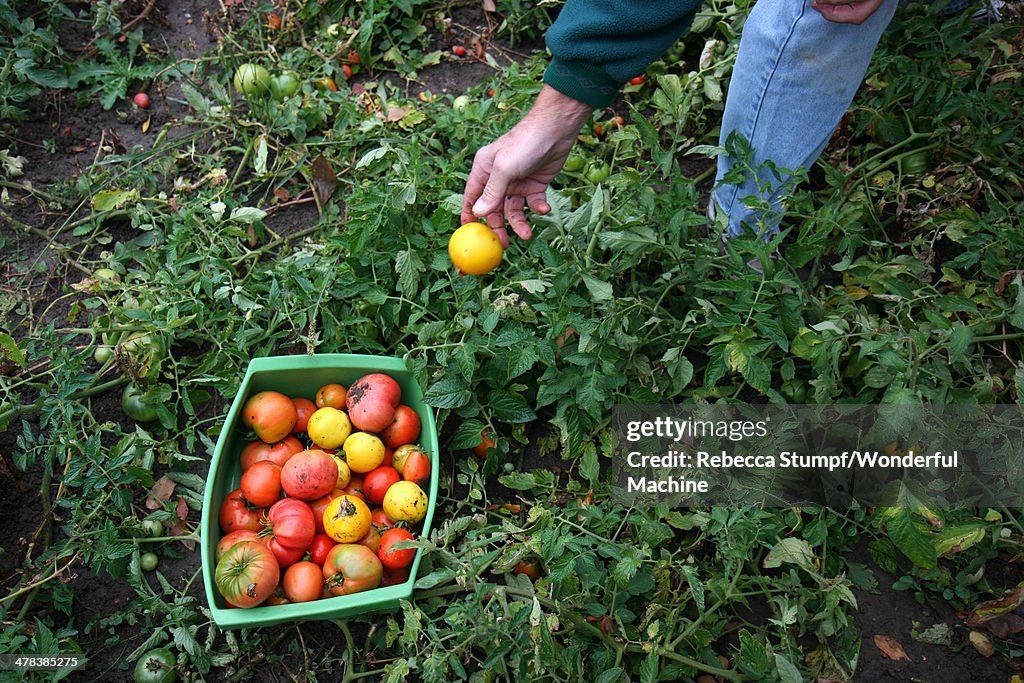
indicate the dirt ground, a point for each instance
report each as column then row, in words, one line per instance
column 80, row 136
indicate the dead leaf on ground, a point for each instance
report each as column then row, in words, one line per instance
column 394, row 114
column 161, row 491
column 982, row 644
column 891, row 649
column 179, row 528
column 990, row 610
column 514, row 508
column 1005, row 626
column 325, row 180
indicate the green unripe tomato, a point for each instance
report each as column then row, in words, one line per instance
column 135, row 407
column 598, row 172
column 148, row 561
column 102, row 354
column 251, row 79
column 156, row 666
column 574, row 163
column 284, row 85
column 152, row 528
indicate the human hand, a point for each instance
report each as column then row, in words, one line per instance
column 513, row 172
column 846, row 11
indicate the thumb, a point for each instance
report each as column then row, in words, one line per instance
column 493, row 195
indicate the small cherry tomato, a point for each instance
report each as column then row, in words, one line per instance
column 353, row 57
column 273, row 21
column 328, row 84
column 458, row 50
column 148, row 561
column 347, row 70
column 639, row 80
column 141, row 100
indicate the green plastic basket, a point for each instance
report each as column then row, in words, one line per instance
column 301, row 376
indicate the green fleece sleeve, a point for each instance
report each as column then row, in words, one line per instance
column 598, row 45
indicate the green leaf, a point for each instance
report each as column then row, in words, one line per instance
column 10, row 349
column 599, row 290
column 788, row 672
column 108, row 200
column 590, row 468
column 434, row 578
column 960, row 340
column 468, row 434
column 450, row 392
column 909, row 536
column 610, row 676
column 519, row 481
column 649, row 668
column 409, row 265
column 696, row 587
column 247, row 215
column 507, row 406
column 790, row 551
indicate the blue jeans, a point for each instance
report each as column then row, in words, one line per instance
column 795, row 76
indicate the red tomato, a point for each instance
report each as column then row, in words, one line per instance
column 319, row 505
column 402, row 454
column 389, row 455
column 371, row 402
column 270, row 414
column 277, row 453
column 224, row 544
column 237, row 514
column 309, row 475
column 141, row 100
column 288, row 530
column 377, row 482
column 247, row 574
column 530, row 569
column 351, row 568
column 353, row 57
column 395, row 559
column 261, row 483
column 303, row 409
column 372, row 538
column 277, row 597
column 490, row 92
column 273, row 21
column 380, row 519
column 639, row 80
column 328, row 84
column 331, row 396
column 303, row 581
column 355, row 488
column 405, row 428
column 347, row 70
column 417, row 469
column 318, row 549
column 393, row 577
column 459, row 50
column 486, row 442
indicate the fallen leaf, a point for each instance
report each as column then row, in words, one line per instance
column 394, row 114
column 161, row 491
column 281, row 194
column 1005, row 626
column 145, row 124
column 891, row 649
column 179, row 528
column 325, row 181
column 982, row 644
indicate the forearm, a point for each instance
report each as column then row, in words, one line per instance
column 600, row 44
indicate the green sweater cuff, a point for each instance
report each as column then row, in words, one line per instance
column 582, row 82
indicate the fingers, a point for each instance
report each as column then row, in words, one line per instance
column 475, row 185
column 516, row 216
column 849, row 12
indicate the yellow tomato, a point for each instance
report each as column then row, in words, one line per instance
column 405, row 502
column 363, row 452
column 475, row 249
column 344, row 473
column 328, row 427
column 346, row 519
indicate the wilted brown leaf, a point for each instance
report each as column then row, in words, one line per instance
column 514, row 508
column 161, row 491
column 325, row 181
column 394, row 114
column 179, row 528
column 1005, row 626
column 891, row 649
column 989, row 610
column 1006, row 279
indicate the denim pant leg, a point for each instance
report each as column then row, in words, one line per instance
column 795, row 76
